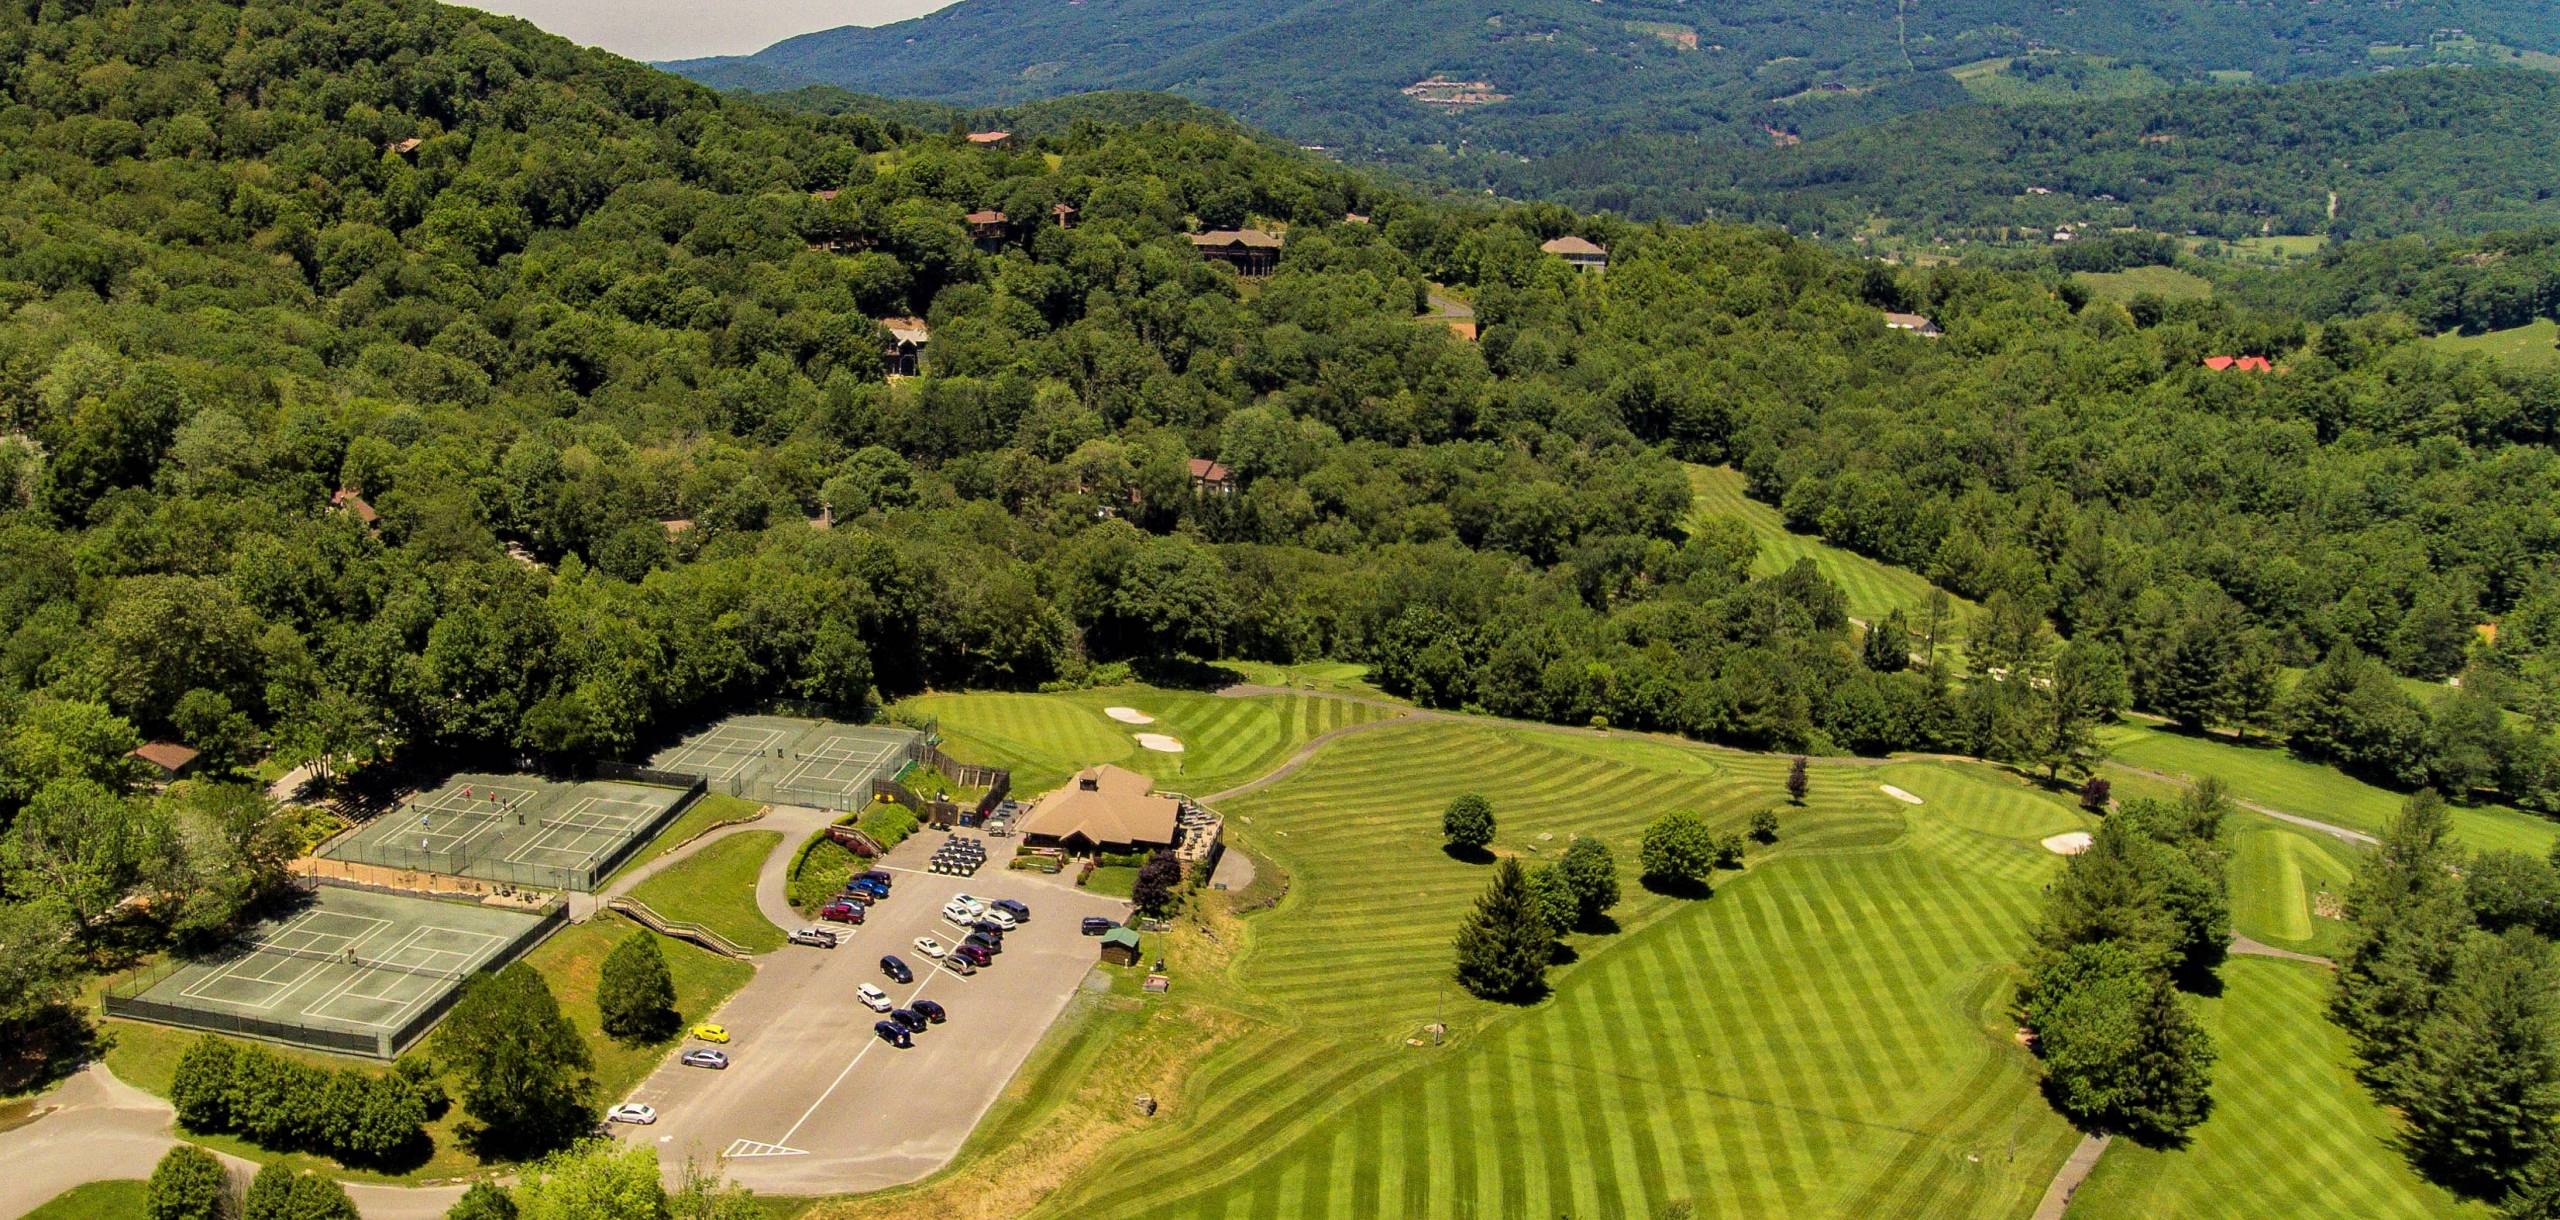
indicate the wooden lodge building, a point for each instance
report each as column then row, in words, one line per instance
column 908, row 338
column 1250, row 251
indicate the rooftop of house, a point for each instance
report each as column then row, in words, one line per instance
column 353, row 501
column 1254, row 239
column 1910, row 322
column 823, row 196
column 908, row 330
column 987, row 217
column 989, row 137
column 169, row 756
column 1570, row 245
column 1209, row 471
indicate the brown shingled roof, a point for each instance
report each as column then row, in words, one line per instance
column 169, row 756
column 1570, row 244
column 1105, row 804
column 1253, row 238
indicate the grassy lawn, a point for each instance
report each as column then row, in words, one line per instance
column 819, row 869
column 2530, row 345
column 115, row 1200
column 2167, row 283
column 1990, row 80
column 2271, row 777
column 2291, row 1134
column 1338, row 677
column 1046, row 738
column 716, row 887
column 714, row 809
column 1116, row 881
column 1822, row 1037
column 2277, row 874
column 1874, row 588
column 573, row 961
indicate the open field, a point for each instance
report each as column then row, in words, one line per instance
column 2291, row 1134
column 2530, row 345
column 2167, row 283
column 1046, row 738
column 2090, row 78
column 2272, row 777
column 716, row 887
column 1874, row 588
column 1844, row 996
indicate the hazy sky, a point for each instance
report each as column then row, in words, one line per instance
column 682, row 29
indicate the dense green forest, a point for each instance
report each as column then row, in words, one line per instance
column 384, row 381
column 2443, row 151
column 2493, row 282
column 1714, row 83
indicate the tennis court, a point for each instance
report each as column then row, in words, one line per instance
column 514, row 829
column 349, row 971
column 802, row 762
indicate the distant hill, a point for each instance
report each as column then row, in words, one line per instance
column 2438, row 151
column 1536, row 78
column 1055, row 116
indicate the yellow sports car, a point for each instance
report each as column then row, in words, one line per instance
column 711, row 1033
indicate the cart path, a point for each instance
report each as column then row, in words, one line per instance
column 773, row 881
column 2331, row 829
column 2246, row 947
column 2074, row 1171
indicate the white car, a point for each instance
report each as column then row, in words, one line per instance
column 930, row 947
column 959, row 914
column 1001, row 918
column 873, row 998
column 632, row 1112
column 972, row 902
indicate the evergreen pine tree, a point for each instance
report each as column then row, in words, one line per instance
column 2481, row 1085
column 2406, row 912
column 1797, row 780
column 634, row 991
column 1504, row 945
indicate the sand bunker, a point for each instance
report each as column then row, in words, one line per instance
column 1158, row 741
column 2070, row 843
column 1128, row 715
column 1899, row 795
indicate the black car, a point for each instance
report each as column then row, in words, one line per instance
column 990, row 929
column 879, row 875
column 908, row 1017
column 983, row 941
column 896, row 970
column 1020, row 913
column 930, row 1011
column 1095, row 925
column 893, row 1033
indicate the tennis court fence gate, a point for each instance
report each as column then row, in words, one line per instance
column 125, row 1000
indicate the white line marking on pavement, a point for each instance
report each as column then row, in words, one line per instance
column 748, row 1148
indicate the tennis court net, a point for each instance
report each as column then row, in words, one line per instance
column 350, row 959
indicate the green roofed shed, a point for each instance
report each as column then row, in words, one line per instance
column 1120, row 947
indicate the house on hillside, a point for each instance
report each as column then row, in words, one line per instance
column 1103, row 809
column 908, row 338
column 1063, row 214
column 1250, row 251
column 1913, row 323
column 1582, row 253
column 351, row 502
column 1210, row 478
column 988, row 228
column 991, row 139
column 2240, row 364
column 167, row 759
column 403, row 148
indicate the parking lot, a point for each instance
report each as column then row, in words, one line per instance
column 813, row 1101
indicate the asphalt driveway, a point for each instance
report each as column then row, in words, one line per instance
column 813, row 1102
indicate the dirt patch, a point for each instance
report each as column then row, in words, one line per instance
column 2068, row 843
column 1900, row 795
column 1160, row 743
column 1128, row 715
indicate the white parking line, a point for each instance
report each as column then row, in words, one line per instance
column 867, row 1043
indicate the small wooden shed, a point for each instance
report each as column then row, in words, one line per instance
column 1120, row 947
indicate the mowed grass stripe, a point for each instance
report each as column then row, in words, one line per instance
column 1873, row 588
column 2291, row 1133
column 1820, row 1011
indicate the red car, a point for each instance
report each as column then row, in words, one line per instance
column 842, row 912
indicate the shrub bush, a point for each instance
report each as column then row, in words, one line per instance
column 275, row 1103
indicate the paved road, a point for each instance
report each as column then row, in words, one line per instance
column 103, row 1128
column 813, row 1102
